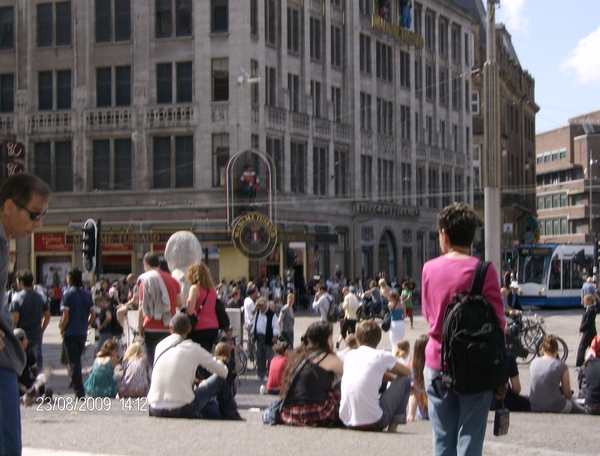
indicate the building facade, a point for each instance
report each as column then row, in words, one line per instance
column 568, row 185
column 130, row 110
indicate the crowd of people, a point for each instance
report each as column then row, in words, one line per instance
column 186, row 370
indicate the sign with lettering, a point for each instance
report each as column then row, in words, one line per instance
column 13, row 150
column 386, row 210
column 50, row 242
column 254, row 235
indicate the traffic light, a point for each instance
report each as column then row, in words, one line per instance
column 89, row 240
column 508, row 257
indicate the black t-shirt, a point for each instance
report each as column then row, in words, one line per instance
column 592, row 377
column 102, row 319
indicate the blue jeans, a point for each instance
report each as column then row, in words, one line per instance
column 289, row 337
column 10, row 413
column 35, row 348
column 393, row 402
column 74, row 346
column 203, row 405
column 406, row 17
column 458, row 421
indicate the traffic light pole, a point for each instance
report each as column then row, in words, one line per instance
column 99, row 250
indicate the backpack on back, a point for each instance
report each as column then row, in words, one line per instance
column 222, row 315
column 473, row 346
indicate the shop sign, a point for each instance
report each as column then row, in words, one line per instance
column 255, row 235
column 50, row 242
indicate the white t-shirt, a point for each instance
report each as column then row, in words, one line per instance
column 248, row 309
column 363, row 374
column 174, row 372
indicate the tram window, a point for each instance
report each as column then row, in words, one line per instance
column 533, row 270
column 566, row 275
column 577, row 276
column 555, row 274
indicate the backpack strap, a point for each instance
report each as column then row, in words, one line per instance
column 479, row 278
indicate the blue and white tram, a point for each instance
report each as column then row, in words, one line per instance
column 551, row 275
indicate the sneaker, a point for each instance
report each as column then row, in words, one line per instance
column 263, row 389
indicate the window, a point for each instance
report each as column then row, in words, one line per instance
column 446, row 189
column 418, row 10
column 337, row 47
column 54, row 24
column 406, row 183
column 298, row 167
column 429, row 30
column 405, row 122
column 467, row 49
column 219, row 10
column 540, row 202
column 418, row 135
column 173, row 162
column 220, row 79
column 429, row 83
column 183, row 82
column 254, row 17
column 563, row 200
column 418, row 78
column 51, row 96
column 315, row 93
column 555, row 200
column 385, row 121
column 270, row 21
column 294, row 90
column 421, row 186
column 433, row 188
column 53, row 163
column 293, row 30
column 366, row 181
column 340, row 172
column 365, row 111
column 467, row 95
column 383, row 58
column 455, row 136
column 274, row 149
column 270, row 86
column 336, row 101
column 458, row 188
column 365, row 53
column 113, row 17
column 364, row 6
column 455, row 43
column 443, row 135
column 7, row 93
column 443, row 38
column 166, row 11
column 405, row 69
column 385, row 177
column 122, row 85
column 7, row 26
column 254, row 87
column 220, row 153
column 320, row 172
column 444, row 87
column 315, row 38
column 112, row 162
column 456, row 93
column 475, row 102
column 429, row 126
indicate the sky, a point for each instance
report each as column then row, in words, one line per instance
column 558, row 43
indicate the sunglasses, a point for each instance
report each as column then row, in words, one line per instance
column 34, row 216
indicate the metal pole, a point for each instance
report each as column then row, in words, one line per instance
column 99, row 250
column 491, row 156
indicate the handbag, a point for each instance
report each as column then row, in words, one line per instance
column 194, row 317
column 387, row 319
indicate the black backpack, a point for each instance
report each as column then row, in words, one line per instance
column 115, row 327
column 473, row 346
column 222, row 315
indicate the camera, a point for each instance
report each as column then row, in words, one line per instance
column 501, row 421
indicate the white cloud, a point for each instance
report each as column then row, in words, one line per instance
column 585, row 61
column 511, row 12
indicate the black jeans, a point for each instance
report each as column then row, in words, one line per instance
column 74, row 346
column 205, row 337
column 152, row 339
column 264, row 353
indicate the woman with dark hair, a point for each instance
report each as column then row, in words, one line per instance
column 550, row 382
column 201, row 301
column 309, row 397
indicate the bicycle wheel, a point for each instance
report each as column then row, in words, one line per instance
column 250, row 356
column 563, row 349
column 241, row 361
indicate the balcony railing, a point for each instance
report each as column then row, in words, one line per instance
column 109, row 119
column 299, row 123
column 276, row 117
column 342, row 133
column 170, row 116
column 7, row 124
column 50, row 122
column 322, row 127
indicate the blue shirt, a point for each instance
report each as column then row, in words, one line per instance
column 78, row 302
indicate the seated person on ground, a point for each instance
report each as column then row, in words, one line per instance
column 364, row 369
column 351, row 344
column 308, row 392
column 550, row 382
column 31, row 385
column 171, row 391
column 592, row 376
column 282, row 352
column 513, row 401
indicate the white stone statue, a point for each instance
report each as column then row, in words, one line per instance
column 183, row 248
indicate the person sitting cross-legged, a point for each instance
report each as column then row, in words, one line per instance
column 362, row 407
column 171, row 392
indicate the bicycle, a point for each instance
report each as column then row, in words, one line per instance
column 249, row 347
column 524, row 337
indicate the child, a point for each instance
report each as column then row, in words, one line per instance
column 136, row 372
column 587, row 329
column 101, row 382
column 418, row 396
column 406, row 298
column 105, row 318
column 282, row 351
column 403, row 352
column 223, row 352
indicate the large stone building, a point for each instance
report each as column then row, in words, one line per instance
column 130, row 110
column 568, row 185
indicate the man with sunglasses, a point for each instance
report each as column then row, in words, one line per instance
column 23, row 203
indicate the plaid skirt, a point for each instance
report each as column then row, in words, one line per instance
column 316, row 415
